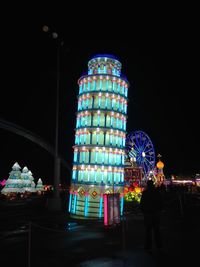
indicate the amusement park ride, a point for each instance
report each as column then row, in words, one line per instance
column 140, row 151
column 140, row 163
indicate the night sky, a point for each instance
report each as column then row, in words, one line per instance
column 160, row 64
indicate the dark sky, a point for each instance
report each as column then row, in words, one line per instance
column 160, row 60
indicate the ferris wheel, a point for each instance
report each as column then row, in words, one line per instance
column 140, row 148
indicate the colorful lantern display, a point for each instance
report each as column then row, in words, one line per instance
column 99, row 150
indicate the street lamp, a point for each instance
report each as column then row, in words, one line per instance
column 55, row 203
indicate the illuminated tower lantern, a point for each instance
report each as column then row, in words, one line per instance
column 160, row 174
column 100, row 133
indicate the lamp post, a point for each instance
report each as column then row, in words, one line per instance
column 55, row 203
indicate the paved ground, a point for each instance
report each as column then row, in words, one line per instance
column 57, row 240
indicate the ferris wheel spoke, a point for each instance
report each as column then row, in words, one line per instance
column 149, row 151
column 149, row 156
column 148, row 145
column 142, row 164
column 149, row 162
column 143, row 147
column 139, row 138
column 142, row 140
column 134, row 145
column 132, row 139
column 138, row 159
column 145, row 172
column 136, row 151
column 137, row 143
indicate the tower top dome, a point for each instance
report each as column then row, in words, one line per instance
column 105, row 56
column 104, row 64
column 160, row 164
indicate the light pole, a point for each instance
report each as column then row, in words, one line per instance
column 55, row 203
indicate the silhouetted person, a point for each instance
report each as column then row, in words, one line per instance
column 151, row 206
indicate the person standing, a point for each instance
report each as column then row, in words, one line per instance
column 151, row 204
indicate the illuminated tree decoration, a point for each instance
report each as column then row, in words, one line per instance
column 100, row 133
column 33, row 189
column 26, row 180
column 14, row 183
column 39, row 186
